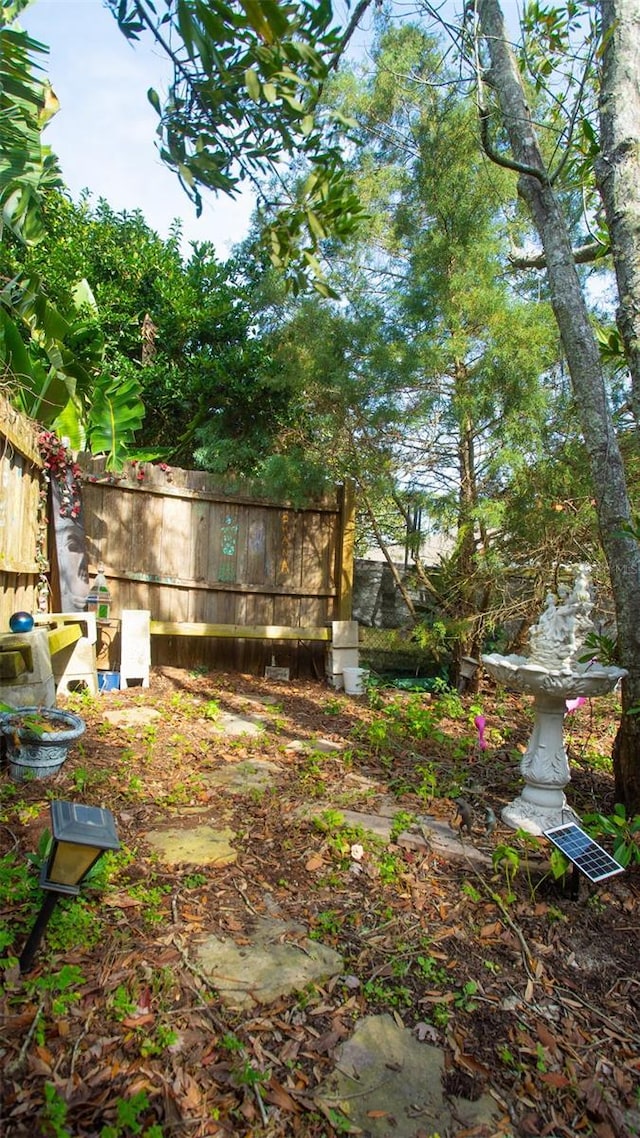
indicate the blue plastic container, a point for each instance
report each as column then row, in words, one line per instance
column 108, row 681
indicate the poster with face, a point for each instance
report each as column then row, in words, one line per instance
column 71, row 551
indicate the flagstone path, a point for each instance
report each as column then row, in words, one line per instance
column 386, row 1081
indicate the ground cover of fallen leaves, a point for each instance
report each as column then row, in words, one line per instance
column 531, row 993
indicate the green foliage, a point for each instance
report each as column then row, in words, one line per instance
column 129, row 1113
column 244, row 95
column 624, row 832
column 599, row 647
column 60, row 989
column 27, row 168
column 53, row 1115
column 465, row 998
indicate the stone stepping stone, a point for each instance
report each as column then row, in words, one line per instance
column 130, row 716
column 241, row 778
column 278, row 959
column 434, row 834
column 227, row 723
column 204, row 845
column 388, row 1083
column 308, row 746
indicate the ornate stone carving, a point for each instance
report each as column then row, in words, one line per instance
column 552, row 674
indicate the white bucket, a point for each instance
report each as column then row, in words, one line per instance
column 355, row 680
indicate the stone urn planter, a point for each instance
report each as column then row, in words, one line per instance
column 37, row 740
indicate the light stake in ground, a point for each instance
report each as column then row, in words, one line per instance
column 81, row 834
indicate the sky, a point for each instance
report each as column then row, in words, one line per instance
column 104, row 132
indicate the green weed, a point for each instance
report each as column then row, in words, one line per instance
column 53, row 1115
column 121, row 1003
column 329, row 923
column 382, row 990
column 400, row 822
column 128, row 1119
column 431, row 971
column 440, row 1015
column 464, row 1000
column 156, row 1044
column 624, row 831
column 211, row 710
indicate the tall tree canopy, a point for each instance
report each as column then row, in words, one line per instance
column 177, row 330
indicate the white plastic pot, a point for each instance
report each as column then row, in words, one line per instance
column 355, row 680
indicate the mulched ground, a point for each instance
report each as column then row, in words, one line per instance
column 533, row 995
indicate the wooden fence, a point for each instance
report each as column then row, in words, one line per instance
column 231, row 579
column 23, row 541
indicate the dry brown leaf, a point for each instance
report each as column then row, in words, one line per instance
column 138, row 1021
column 546, row 1038
column 494, row 929
column 275, row 1093
column 555, row 1079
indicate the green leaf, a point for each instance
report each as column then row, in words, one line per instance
column 252, row 83
column 154, row 99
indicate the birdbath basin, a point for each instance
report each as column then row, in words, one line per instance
column 552, row 674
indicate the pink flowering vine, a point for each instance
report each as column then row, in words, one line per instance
column 59, row 466
column 480, row 723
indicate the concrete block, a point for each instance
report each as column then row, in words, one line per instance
column 344, row 633
column 340, row 658
column 74, row 667
column 35, row 686
column 135, row 647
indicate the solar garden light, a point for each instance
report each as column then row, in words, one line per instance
column 81, row 834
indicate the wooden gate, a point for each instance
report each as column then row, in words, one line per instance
column 230, row 579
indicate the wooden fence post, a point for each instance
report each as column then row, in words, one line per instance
column 344, row 551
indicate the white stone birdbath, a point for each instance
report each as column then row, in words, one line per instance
column 552, row 674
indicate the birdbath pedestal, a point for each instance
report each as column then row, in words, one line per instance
column 542, row 804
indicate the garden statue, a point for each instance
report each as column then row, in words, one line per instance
column 553, row 674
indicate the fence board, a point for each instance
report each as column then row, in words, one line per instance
column 23, row 549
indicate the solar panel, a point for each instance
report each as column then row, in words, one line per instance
column 590, row 858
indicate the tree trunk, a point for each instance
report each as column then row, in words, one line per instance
column 583, row 360
column 618, row 174
column 618, row 169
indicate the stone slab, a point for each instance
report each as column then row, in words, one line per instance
column 278, row 958
column 130, row 716
column 241, row 778
column 204, row 845
column 389, row 1085
column 227, row 723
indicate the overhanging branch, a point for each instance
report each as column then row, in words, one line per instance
column 582, row 255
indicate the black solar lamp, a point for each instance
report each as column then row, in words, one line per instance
column 81, row 834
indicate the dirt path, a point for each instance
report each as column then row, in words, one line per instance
column 312, row 813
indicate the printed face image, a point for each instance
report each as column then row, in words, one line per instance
column 73, row 562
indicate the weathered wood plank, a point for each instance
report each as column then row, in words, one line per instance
column 62, row 636
column 20, row 431
column 239, row 631
column 29, row 567
column 169, row 491
column 215, row 586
